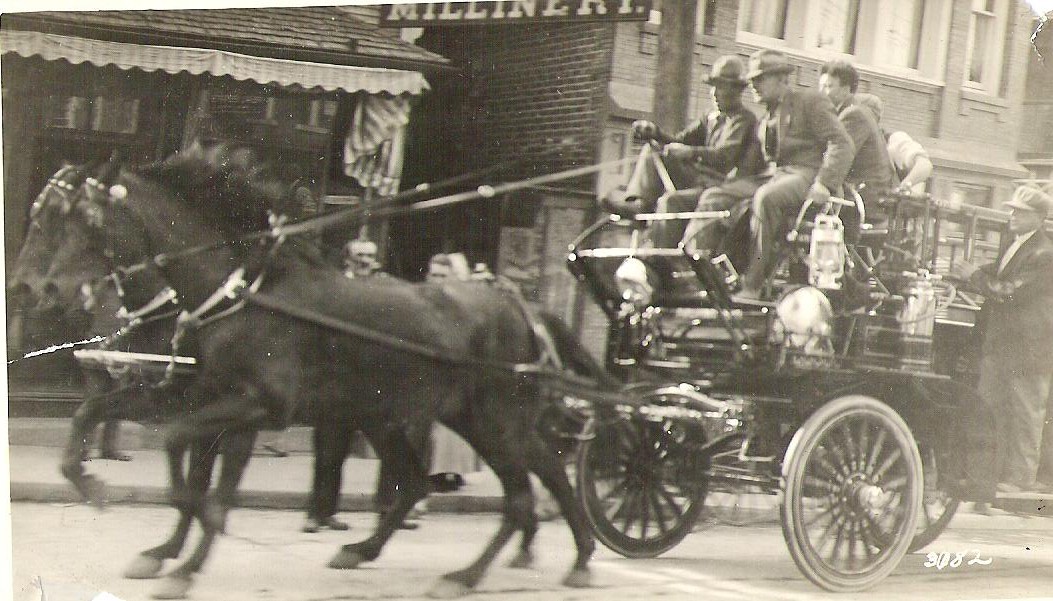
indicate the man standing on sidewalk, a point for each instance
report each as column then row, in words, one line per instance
column 1017, row 327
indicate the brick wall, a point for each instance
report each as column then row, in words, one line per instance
column 537, row 86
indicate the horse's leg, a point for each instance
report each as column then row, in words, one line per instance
column 148, row 564
column 108, row 445
column 548, row 467
column 236, row 449
column 233, row 418
column 518, row 512
column 393, row 449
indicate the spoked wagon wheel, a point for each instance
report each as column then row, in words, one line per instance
column 642, row 484
column 937, row 506
column 853, row 491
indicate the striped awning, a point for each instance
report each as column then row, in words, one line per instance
column 197, row 61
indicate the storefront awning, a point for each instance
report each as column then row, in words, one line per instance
column 197, row 61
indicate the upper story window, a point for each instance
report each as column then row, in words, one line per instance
column 987, row 26
column 764, row 17
column 907, row 37
column 837, row 25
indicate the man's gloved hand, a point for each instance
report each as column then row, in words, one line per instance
column 645, row 130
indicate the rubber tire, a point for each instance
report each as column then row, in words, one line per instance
column 593, row 452
column 804, row 442
column 925, row 535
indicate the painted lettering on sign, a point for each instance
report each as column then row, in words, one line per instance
column 513, row 11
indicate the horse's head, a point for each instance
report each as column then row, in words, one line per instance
column 44, row 288
column 69, row 242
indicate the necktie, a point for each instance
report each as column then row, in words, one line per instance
column 771, row 143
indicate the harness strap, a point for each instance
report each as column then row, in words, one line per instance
column 549, row 352
column 268, row 302
column 162, row 298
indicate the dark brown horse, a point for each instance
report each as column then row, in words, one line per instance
column 48, row 283
column 385, row 354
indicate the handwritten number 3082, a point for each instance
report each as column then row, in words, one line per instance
column 953, row 560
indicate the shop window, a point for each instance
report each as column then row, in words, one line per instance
column 987, row 25
column 109, row 114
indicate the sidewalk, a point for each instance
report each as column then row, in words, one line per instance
column 269, row 482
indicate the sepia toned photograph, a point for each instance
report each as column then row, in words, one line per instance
column 559, row 300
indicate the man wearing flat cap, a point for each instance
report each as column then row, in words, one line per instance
column 801, row 134
column 1017, row 326
column 718, row 147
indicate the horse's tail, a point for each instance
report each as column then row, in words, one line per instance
column 574, row 356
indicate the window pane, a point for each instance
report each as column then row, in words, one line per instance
column 980, row 41
column 837, row 25
column 902, row 45
column 765, row 17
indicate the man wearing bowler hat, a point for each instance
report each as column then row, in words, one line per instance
column 811, row 151
column 707, row 153
column 1017, row 326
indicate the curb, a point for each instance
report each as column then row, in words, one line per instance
column 35, row 492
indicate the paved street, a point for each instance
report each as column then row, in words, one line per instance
column 76, row 552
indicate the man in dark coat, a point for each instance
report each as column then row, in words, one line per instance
column 1017, row 322
column 801, row 134
column 871, row 168
column 709, row 152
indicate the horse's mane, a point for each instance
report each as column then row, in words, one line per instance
column 231, row 184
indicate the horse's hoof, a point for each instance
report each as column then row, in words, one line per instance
column 346, row 560
column 578, row 579
column 215, row 516
column 143, row 567
column 522, row 561
column 172, row 587
column 448, row 589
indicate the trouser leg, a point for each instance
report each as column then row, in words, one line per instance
column 645, row 186
column 667, row 233
column 1027, row 395
column 709, row 234
column 772, row 205
column 1045, row 464
column 332, row 444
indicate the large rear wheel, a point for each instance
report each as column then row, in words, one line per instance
column 641, row 484
column 853, row 492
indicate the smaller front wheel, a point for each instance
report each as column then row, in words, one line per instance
column 642, row 484
column 853, row 491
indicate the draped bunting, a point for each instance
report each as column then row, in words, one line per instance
column 373, row 150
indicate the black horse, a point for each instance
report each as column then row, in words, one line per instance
column 385, row 354
column 133, row 314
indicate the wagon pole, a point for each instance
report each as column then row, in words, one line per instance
column 321, row 222
column 483, row 191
